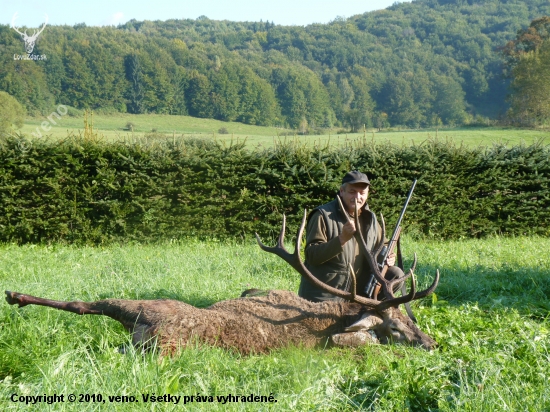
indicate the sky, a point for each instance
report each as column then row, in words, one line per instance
column 31, row 13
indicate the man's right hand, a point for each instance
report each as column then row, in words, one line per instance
column 347, row 232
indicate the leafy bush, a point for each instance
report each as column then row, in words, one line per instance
column 94, row 192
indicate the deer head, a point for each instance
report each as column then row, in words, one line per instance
column 30, row 41
column 383, row 318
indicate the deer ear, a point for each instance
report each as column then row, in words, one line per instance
column 354, row 339
column 367, row 322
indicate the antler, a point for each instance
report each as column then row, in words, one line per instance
column 387, row 286
column 13, row 25
column 295, row 261
column 36, row 34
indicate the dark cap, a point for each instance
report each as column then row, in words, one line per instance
column 355, row 177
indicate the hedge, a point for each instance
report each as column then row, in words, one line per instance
column 86, row 191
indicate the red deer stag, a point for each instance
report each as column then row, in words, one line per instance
column 259, row 324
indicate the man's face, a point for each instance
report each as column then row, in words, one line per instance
column 352, row 191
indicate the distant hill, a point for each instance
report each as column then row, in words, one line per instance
column 422, row 63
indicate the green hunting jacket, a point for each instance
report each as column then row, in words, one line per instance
column 329, row 261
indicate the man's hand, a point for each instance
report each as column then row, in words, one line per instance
column 347, row 232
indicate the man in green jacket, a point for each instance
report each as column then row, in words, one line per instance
column 331, row 246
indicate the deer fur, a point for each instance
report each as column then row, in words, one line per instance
column 247, row 325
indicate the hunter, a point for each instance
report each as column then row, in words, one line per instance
column 331, row 246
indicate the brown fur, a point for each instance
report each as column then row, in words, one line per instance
column 248, row 325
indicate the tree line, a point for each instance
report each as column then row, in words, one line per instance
column 415, row 64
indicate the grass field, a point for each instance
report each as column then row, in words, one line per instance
column 113, row 127
column 490, row 318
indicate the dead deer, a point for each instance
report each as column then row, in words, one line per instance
column 259, row 324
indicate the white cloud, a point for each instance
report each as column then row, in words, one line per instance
column 114, row 20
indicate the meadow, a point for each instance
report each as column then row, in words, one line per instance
column 155, row 126
column 490, row 316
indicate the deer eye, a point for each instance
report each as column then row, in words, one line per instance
column 395, row 330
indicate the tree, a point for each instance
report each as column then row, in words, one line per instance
column 528, row 63
column 134, row 74
column 258, row 102
column 449, row 104
column 399, row 102
column 530, row 87
column 12, row 113
column 361, row 109
column 199, row 99
column 79, row 83
column 25, row 81
column 290, row 95
column 528, row 40
column 225, row 91
column 302, row 95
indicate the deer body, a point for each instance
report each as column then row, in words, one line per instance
column 248, row 325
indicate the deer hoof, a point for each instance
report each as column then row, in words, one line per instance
column 12, row 298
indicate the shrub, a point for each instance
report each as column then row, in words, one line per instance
column 95, row 192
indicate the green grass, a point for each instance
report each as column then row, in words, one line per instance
column 490, row 318
column 112, row 127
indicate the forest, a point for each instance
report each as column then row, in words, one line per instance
column 418, row 64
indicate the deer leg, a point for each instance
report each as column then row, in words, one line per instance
column 142, row 333
column 80, row 308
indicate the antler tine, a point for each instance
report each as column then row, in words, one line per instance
column 281, row 238
column 363, row 245
column 413, row 295
column 413, row 266
column 280, row 247
column 401, row 299
column 368, row 255
column 13, row 24
column 430, row 290
column 295, row 261
column 353, row 282
column 392, row 282
column 43, row 27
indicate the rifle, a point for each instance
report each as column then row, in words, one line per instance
column 373, row 287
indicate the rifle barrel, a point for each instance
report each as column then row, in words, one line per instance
column 396, row 230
